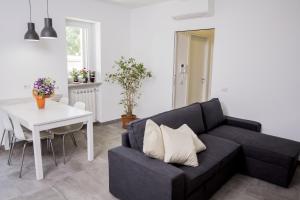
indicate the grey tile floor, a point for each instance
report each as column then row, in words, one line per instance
column 83, row 180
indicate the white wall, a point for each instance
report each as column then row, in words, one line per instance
column 152, row 42
column 255, row 69
column 22, row 62
column 256, row 62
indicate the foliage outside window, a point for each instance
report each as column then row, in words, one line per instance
column 73, row 35
column 75, row 47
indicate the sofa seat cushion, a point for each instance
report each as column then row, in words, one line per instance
column 219, row 152
column 267, row 148
column 190, row 115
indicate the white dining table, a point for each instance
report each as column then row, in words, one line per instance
column 54, row 115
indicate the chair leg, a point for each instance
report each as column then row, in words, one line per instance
column 4, row 131
column 48, row 146
column 53, row 153
column 13, row 141
column 9, row 138
column 10, row 149
column 24, row 148
column 73, row 139
column 64, row 153
column 85, row 135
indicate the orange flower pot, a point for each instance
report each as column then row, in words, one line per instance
column 126, row 119
column 40, row 102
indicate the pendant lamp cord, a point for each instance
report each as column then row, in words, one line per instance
column 30, row 11
column 48, row 8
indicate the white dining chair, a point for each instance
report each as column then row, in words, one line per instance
column 7, row 129
column 69, row 130
column 64, row 100
column 79, row 105
column 26, row 136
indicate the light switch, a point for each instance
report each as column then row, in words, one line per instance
column 224, row 89
column 27, row 87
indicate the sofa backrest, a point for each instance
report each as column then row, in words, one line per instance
column 212, row 113
column 190, row 115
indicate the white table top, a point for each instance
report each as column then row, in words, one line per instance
column 30, row 115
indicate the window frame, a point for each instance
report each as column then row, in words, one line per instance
column 86, row 42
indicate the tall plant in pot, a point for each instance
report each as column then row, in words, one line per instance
column 129, row 74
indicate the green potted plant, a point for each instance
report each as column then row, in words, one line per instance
column 75, row 74
column 84, row 73
column 129, row 75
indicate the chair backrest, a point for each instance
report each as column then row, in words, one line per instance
column 5, row 121
column 64, row 100
column 18, row 131
column 80, row 105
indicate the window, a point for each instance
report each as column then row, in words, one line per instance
column 80, row 37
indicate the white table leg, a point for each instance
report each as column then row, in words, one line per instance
column 37, row 153
column 6, row 141
column 90, row 139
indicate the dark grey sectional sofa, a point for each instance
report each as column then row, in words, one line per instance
column 233, row 146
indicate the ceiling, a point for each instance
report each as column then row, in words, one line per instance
column 134, row 3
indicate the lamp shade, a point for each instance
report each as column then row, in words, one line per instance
column 48, row 31
column 31, row 34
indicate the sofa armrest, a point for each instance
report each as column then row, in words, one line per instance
column 125, row 140
column 243, row 123
column 134, row 176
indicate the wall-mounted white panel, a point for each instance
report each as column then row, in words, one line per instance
column 184, row 9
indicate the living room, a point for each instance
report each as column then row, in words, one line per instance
column 253, row 73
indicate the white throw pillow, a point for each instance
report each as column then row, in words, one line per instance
column 179, row 146
column 153, row 141
column 199, row 145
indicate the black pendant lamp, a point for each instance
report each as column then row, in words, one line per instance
column 48, row 31
column 31, row 34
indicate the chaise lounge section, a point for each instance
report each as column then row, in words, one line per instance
column 233, row 146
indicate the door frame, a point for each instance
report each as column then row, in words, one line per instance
column 210, row 63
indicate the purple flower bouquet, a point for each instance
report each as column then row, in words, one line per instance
column 43, row 88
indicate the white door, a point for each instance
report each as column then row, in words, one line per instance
column 197, row 74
